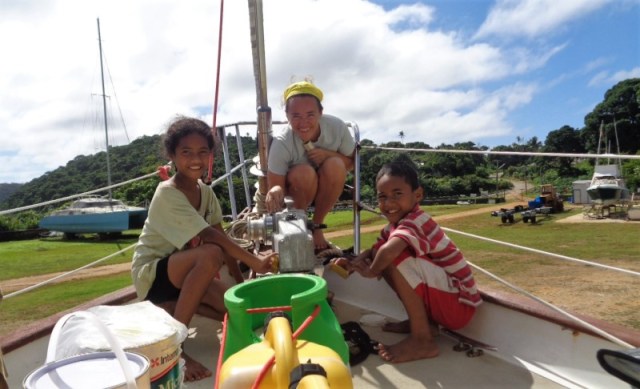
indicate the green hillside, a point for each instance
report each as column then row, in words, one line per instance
column 6, row 190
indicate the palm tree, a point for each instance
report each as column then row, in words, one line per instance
column 401, row 135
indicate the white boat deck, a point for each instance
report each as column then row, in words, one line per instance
column 532, row 352
column 449, row 370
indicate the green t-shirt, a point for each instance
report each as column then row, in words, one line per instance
column 171, row 223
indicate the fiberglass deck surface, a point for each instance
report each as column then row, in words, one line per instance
column 449, row 370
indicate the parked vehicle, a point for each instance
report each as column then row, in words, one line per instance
column 548, row 198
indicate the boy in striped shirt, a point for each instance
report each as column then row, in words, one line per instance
column 420, row 263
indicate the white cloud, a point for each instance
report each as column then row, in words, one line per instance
column 605, row 78
column 596, row 64
column 386, row 70
column 625, row 74
column 414, row 15
column 533, row 18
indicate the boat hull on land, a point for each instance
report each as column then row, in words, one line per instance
column 95, row 215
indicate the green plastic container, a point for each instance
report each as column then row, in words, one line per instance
column 300, row 291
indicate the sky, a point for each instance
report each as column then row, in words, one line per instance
column 443, row 71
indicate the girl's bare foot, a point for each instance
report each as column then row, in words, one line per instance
column 168, row 306
column 400, row 327
column 410, row 348
column 194, row 370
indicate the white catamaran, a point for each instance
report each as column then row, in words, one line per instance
column 92, row 214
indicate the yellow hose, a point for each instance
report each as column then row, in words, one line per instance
column 280, row 337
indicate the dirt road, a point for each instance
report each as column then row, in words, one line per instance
column 9, row 286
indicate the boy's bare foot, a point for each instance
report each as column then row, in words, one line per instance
column 194, row 370
column 400, row 327
column 319, row 242
column 410, row 348
column 404, row 327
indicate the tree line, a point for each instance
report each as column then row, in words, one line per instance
column 441, row 174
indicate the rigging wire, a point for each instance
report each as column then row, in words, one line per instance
column 593, row 328
column 581, row 261
column 67, row 198
column 490, row 152
column 113, row 88
column 455, row 151
column 51, row 280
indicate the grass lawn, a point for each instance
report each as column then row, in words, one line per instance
column 48, row 300
column 49, row 255
column 613, row 244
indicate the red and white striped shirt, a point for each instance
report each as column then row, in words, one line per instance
column 427, row 241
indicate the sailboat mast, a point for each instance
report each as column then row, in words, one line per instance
column 260, row 75
column 615, row 132
column 104, row 110
column 600, row 135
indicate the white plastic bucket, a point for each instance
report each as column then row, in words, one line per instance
column 96, row 370
column 102, row 370
column 164, row 356
column 141, row 328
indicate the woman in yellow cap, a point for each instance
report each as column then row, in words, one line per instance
column 310, row 158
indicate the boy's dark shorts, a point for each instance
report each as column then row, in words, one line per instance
column 162, row 289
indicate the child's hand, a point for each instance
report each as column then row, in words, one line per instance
column 363, row 267
column 266, row 264
column 194, row 242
